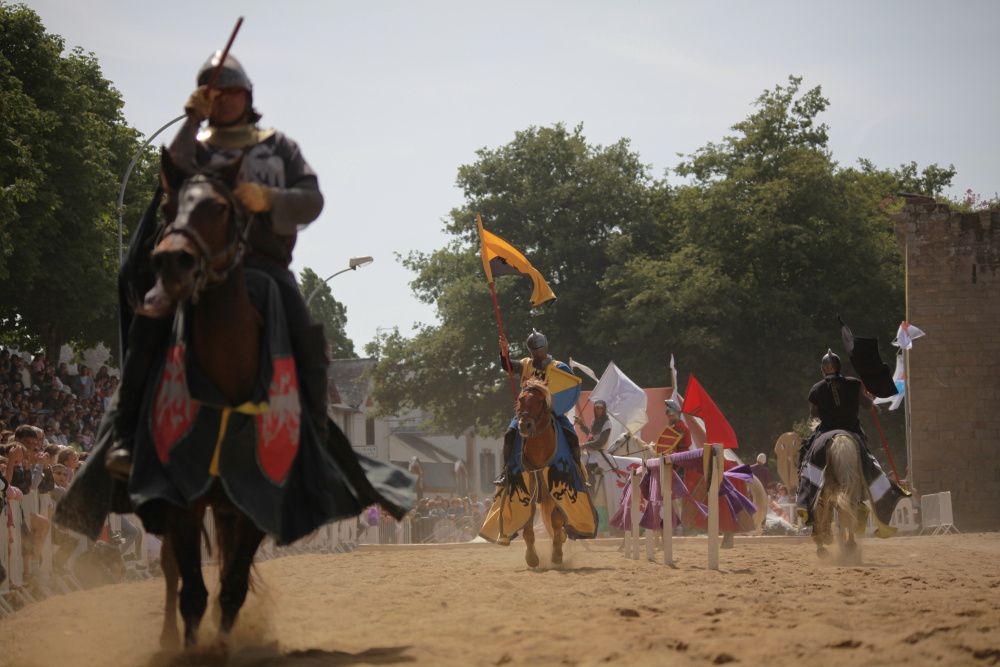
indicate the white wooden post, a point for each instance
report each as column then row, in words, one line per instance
column 634, row 482
column 5, row 547
column 714, row 467
column 47, row 508
column 15, row 572
column 667, row 511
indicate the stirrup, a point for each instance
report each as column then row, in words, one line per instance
column 118, row 463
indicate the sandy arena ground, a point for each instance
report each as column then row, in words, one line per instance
column 915, row 601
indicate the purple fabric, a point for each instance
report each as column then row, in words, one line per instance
column 739, row 472
column 736, row 501
column 649, row 487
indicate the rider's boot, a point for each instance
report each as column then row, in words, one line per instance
column 146, row 336
column 574, row 448
column 502, row 479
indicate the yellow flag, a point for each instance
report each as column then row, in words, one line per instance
column 502, row 259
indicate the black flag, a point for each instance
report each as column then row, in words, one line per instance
column 864, row 356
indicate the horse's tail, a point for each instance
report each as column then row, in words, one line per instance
column 844, row 463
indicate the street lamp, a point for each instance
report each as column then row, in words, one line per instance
column 352, row 265
column 121, row 214
column 128, row 172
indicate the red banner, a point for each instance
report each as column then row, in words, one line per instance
column 698, row 403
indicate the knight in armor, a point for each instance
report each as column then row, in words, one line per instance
column 676, row 422
column 280, row 193
column 836, row 401
column 537, row 366
column 599, row 433
column 599, row 430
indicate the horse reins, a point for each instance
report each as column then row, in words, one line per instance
column 206, row 275
column 546, row 405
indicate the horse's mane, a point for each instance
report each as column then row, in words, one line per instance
column 539, row 387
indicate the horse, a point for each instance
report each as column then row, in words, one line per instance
column 198, row 259
column 843, row 493
column 538, row 435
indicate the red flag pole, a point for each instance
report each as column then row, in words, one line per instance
column 496, row 313
column 885, row 443
column 225, row 52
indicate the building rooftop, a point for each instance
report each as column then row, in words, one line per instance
column 349, row 380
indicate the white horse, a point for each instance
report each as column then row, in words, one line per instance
column 843, row 493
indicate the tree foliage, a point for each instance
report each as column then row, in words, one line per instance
column 740, row 271
column 329, row 312
column 69, row 144
column 559, row 200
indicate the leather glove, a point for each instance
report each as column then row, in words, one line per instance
column 255, row 198
column 199, row 105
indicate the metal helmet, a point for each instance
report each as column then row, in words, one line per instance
column 537, row 340
column 672, row 405
column 602, row 404
column 232, row 74
column 830, row 360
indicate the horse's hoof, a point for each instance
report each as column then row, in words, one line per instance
column 557, row 557
column 531, row 558
column 222, row 642
column 170, row 640
column 822, row 552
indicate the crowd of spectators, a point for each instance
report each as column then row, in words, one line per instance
column 67, row 403
column 49, row 415
column 434, row 519
column 448, row 519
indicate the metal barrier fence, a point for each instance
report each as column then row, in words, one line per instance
column 415, row 529
column 41, row 559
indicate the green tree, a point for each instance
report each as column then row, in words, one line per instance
column 740, row 270
column 559, row 200
column 58, row 188
column 755, row 257
column 329, row 312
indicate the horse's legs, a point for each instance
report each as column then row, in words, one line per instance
column 822, row 518
column 169, row 637
column 557, row 528
column 236, row 569
column 530, row 556
column 184, row 534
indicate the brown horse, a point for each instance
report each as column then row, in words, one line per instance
column 843, row 493
column 538, row 435
column 199, row 260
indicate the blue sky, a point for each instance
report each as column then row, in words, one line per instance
column 387, row 99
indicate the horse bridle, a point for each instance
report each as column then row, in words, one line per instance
column 206, row 275
column 546, row 404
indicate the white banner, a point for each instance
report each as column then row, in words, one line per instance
column 625, row 399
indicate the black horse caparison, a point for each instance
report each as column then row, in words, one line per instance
column 199, row 260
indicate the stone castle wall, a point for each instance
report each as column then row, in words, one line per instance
column 953, row 281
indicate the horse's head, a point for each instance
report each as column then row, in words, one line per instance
column 534, row 408
column 205, row 238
